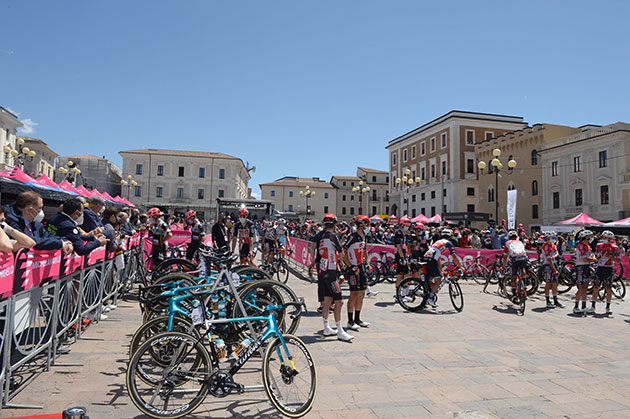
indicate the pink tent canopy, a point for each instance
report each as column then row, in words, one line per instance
column 45, row 180
column 17, row 174
column 581, row 218
column 405, row 218
column 392, row 219
column 420, row 219
column 83, row 192
column 117, row 198
column 66, row 186
column 619, row 223
column 376, row 219
column 108, row 197
column 437, row 218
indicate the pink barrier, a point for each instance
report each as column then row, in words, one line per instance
column 7, row 268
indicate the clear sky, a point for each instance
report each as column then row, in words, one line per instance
column 305, row 88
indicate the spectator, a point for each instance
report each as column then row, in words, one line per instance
column 219, row 233
column 92, row 223
column 16, row 239
column 66, row 224
column 26, row 214
column 110, row 219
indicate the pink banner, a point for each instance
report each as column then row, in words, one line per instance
column 7, row 268
column 300, row 251
column 71, row 263
column 95, row 256
column 34, row 267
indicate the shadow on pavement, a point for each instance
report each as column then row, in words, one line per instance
column 505, row 310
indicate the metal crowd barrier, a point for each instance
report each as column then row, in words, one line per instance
column 46, row 294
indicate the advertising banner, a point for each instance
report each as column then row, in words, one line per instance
column 7, row 268
column 34, row 267
column 511, row 208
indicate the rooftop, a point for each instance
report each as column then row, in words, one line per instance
column 180, row 153
column 313, row 182
column 365, row 169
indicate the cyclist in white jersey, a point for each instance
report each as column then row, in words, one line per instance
column 514, row 253
column 442, row 247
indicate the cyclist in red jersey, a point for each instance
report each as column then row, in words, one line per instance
column 607, row 253
column 355, row 257
column 400, row 252
column 245, row 232
column 549, row 253
column 442, row 247
column 583, row 260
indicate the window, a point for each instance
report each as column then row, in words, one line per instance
column 343, row 211
column 421, row 211
column 221, row 193
column 374, row 210
column 511, row 187
column 534, row 187
column 443, row 167
column 351, row 210
column 326, row 196
column 352, row 197
column 432, row 144
column 603, row 158
column 413, row 198
column 200, row 193
column 386, row 179
column 181, row 171
column 490, row 194
column 413, row 152
column 393, row 159
column 490, row 168
column 470, row 207
column 556, row 200
column 422, row 196
column 138, row 169
column 535, row 212
column 138, row 190
column 470, row 137
column 422, row 174
column 423, row 148
column 432, row 211
column 603, row 193
column 443, row 141
column 180, row 192
column 290, row 208
column 470, row 191
column 202, row 172
column 343, row 197
column 290, row 194
column 432, row 194
column 158, row 192
column 413, row 174
column 160, row 170
column 374, row 197
column 272, row 193
column 489, row 135
column 432, row 170
column 470, row 166
column 386, row 210
column 404, row 155
column 578, row 197
column 534, row 157
column 554, row 168
column 373, row 179
column 326, row 209
column 444, row 192
column 577, row 167
column 221, row 173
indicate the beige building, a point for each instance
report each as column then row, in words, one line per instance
column 177, row 180
column 522, row 146
column 96, row 172
column 349, row 196
column 306, row 197
column 587, row 172
column 377, row 200
column 436, row 163
column 43, row 163
column 8, row 130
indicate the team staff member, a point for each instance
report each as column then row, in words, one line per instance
column 160, row 235
column 196, row 234
column 355, row 256
column 245, row 235
column 26, row 215
column 10, row 238
column 219, row 233
column 66, row 224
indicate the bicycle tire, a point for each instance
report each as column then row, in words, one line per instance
column 390, row 274
column 373, row 273
column 251, row 273
column 172, row 265
column 276, row 376
column 178, row 376
column 282, row 271
column 457, row 296
column 618, row 288
column 155, row 326
column 522, row 297
column 532, row 282
column 417, row 292
column 477, row 273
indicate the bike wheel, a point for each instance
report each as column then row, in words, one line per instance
column 477, row 273
column 412, row 294
column 373, row 273
column 172, row 265
column 251, row 273
column 173, row 391
column 522, row 298
column 618, row 288
column 159, row 325
column 255, row 298
column 290, row 379
column 530, row 281
column 390, row 269
column 568, row 277
column 282, row 271
column 457, row 297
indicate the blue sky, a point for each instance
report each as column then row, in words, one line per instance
column 306, row 88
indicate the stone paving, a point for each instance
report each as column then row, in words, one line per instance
column 485, row 362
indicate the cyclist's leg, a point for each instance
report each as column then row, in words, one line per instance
column 360, row 295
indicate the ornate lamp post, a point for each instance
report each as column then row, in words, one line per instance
column 362, row 190
column 406, row 182
column 128, row 183
column 71, row 173
column 20, row 154
column 497, row 166
column 307, row 193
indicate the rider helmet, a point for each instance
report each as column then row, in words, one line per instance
column 550, row 235
column 447, row 233
column 243, row 212
column 362, row 219
column 584, row 234
column 607, row 234
column 512, row 235
column 190, row 214
column 330, row 219
column 154, row 212
column 281, row 221
column 404, row 223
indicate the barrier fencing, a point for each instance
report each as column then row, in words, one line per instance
column 44, row 294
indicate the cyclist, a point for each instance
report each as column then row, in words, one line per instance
column 282, row 233
column 328, row 289
column 583, row 260
column 160, row 235
column 400, row 258
column 245, row 233
column 514, row 253
column 271, row 241
column 549, row 253
column 355, row 256
column 434, row 262
column 196, row 234
column 607, row 253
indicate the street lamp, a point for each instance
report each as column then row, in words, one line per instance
column 71, row 173
column 20, row 154
column 497, row 166
column 128, row 183
column 308, row 193
column 407, row 182
column 361, row 190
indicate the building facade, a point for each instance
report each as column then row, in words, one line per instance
column 587, row 172
column 349, row 201
column 176, row 180
column 96, row 172
column 522, row 146
column 377, row 200
column 436, row 163
column 8, row 131
column 43, row 163
column 306, row 197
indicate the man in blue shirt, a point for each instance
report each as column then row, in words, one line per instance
column 66, row 224
column 92, row 215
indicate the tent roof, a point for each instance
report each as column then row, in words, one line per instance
column 581, row 218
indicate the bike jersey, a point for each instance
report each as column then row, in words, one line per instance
column 270, row 233
column 328, row 249
column 582, row 251
column 605, row 253
column 196, row 231
column 158, row 231
column 440, row 248
column 245, row 233
column 355, row 246
column 547, row 251
column 281, row 230
column 514, row 248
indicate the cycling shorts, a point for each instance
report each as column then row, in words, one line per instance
column 604, row 276
column 357, row 280
column 328, row 285
column 433, row 269
column 401, row 265
column 518, row 264
column 548, row 275
column 270, row 244
column 243, row 251
column 584, row 274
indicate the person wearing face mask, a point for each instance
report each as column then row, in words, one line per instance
column 26, row 215
column 549, row 253
column 160, row 235
column 92, row 212
column 10, row 238
column 245, row 235
column 400, row 256
column 355, row 256
column 196, row 234
column 219, row 233
column 66, row 224
column 607, row 253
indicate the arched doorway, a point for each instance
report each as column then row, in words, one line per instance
column 394, row 210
